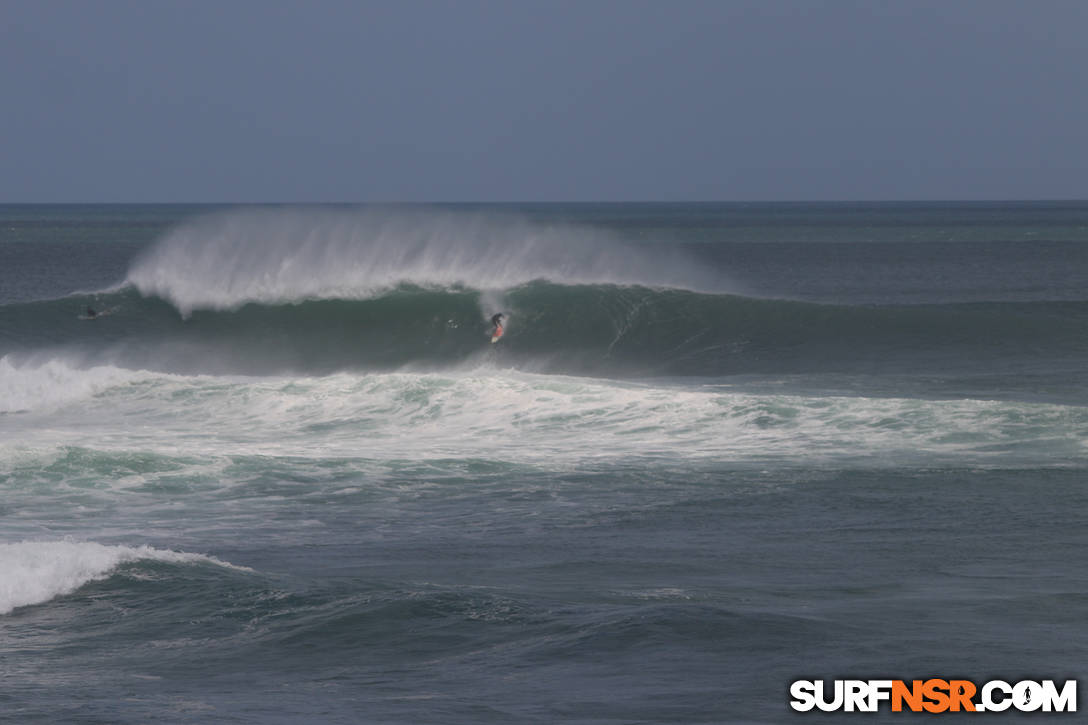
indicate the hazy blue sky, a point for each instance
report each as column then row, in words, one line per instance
column 329, row 100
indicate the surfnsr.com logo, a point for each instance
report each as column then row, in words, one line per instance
column 933, row 695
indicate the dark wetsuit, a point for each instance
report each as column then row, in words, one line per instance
column 496, row 320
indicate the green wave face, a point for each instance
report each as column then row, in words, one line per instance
column 597, row 329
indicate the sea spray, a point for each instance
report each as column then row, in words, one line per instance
column 269, row 256
column 37, row 571
column 435, row 528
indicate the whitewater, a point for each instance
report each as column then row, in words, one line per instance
column 269, row 256
column 286, row 477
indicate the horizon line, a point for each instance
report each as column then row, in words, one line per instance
column 1009, row 200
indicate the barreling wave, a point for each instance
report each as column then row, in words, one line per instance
column 597, row 329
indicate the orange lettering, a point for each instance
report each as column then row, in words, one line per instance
column 913, row 696
column 961, row 693
column 936, row 691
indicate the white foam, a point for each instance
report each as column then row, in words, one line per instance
column 32, row 572
column 282, row 255
column 513, row 416
column 52, row 382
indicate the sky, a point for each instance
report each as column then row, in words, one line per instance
column 243, row 101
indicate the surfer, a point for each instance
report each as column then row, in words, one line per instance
column 91, row 314
column 496, row 320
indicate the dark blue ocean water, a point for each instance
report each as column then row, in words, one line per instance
column 283, row 476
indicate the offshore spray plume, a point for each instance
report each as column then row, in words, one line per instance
column 270, row 256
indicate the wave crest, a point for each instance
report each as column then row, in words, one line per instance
column 285, row 255
column 37, row 571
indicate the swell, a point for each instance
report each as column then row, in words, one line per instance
column 601, row 329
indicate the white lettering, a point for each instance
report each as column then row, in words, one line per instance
column 835, row 703
column 988, row 700
column 1064, row 701
column 804, row 695
column 878, row 690
column 856, row 695
column 1027, row 696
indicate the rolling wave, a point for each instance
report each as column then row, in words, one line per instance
column 275, row 256
column 315, row 291
column 596, row 329
column 37, row 571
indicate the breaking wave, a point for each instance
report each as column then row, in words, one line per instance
column 597, row 329
column 37, row 571
column 288, row 255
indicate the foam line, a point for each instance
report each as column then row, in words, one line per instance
column 53, row 382
column 553, row 418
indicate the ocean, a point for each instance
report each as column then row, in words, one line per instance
column 283, row 476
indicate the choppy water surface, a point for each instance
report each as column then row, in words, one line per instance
column 283, row 476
